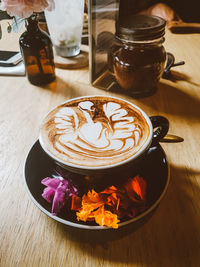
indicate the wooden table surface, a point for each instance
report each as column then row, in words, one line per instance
column 170, row 238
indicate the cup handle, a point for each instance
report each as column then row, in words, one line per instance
column 162, row 125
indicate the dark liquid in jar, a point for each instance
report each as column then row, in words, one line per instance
column 138, row 69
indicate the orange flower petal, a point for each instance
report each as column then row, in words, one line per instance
column 105, row 217
column 110, row 190
column 136, row 189
column 76, row 203
column 119, row 201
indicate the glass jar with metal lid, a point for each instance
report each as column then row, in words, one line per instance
column 138, row 58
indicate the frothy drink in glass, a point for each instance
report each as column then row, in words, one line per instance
column 65, row 23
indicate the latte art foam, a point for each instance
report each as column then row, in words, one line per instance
column 94, row 132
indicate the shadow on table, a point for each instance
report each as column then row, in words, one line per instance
column 179, row 99
column 68, row 90
column 174, row 101
column 181, row 102
column 170, row 238
column 179, row 76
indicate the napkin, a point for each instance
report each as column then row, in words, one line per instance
column 18, row 70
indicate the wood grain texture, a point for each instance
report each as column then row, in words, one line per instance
column 171, row 237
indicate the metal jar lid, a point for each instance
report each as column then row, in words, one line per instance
column 140, row 28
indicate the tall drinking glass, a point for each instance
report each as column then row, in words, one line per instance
column 65, row 25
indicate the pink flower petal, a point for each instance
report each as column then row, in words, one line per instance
column 60, row 197
column 25, row 8
column 58, row 191
column 51, row 182
column 48, row 194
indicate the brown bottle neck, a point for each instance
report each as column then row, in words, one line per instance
column 32, row 24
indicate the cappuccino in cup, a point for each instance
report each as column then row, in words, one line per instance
column 95, row 132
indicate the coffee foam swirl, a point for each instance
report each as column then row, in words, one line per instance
column 95, row 132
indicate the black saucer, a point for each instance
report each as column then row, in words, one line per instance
column 154, row 168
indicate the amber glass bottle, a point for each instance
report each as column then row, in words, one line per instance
column 36, row 48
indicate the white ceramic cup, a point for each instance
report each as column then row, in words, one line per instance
column 56, row 131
